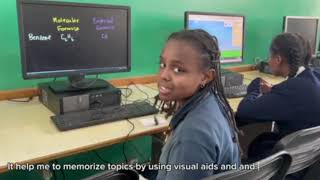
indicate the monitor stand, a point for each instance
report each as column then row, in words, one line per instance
column 78, row 83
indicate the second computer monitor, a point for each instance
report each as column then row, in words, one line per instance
column 228, row 28
column 306, row 26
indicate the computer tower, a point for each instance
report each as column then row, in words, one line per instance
column 60, row 103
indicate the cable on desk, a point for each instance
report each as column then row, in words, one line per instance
column 138, row 100
column 147, row 95
column 27, row 100
column 126, row 95
column 136, row 149
column 147, row 99
column 125, row 99
column 128, row 92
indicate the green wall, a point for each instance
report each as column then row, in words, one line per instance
column 152, row 22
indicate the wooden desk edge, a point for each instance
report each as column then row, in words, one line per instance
column 86, row 148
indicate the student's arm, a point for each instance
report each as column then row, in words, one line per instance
column 189, row 153
column 253, row 90
column 273, row 106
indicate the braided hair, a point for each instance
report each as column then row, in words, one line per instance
column 307, row 49
column 294, row 48
column 207, row 46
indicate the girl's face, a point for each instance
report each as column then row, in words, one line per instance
column 180, row 74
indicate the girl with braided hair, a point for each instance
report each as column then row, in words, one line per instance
column 294, row 103
column 202, row 128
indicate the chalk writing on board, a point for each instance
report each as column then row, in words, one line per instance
column 104, row 35
column 62, row 28
column 66, row 37
column 104, row 24
column 99, row 28
column 67, row 24
column 99, row 20
column 65, row 20
column 39, row 37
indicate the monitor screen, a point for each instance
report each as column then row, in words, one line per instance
column 64, row 39
column 229, row 30
column 306, row 26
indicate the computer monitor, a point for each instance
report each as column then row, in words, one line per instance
column 228, row 28
column 306, row 26
column 73, row 39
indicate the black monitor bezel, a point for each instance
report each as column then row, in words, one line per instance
column 186, row 19
column 74, row 72
column 285, row 20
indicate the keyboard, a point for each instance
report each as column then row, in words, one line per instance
column 73, row 120
column 235, row 91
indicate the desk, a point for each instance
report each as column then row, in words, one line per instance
column 28, row 135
